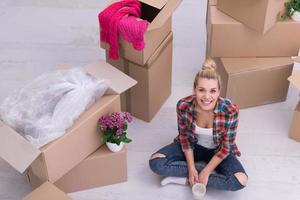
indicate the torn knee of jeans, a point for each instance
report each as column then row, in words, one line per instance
column 242, row 178
column 157, row 155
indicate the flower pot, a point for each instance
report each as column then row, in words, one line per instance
column 114, row 147
column 296, row 16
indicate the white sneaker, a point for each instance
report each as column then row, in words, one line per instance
column 199, row 191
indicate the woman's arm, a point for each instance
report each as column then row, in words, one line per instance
column 192, row 171
column 208, row 169
column 226, row 146
column 186, row 146
column 185, row 134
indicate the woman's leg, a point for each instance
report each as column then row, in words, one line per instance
column 230, row 175
column 169, row 161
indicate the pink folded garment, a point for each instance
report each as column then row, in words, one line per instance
column 132, row 29
column 122, row 18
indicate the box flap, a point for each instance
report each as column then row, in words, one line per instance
column 218, row 17
column 119, row 82
column 15, row 149
column 160, row 49
column 159, row 4
column 47, row 191
column 296, row 58
column 164, row 14
column 155, row 3
column 241, row 65
column 295, row 79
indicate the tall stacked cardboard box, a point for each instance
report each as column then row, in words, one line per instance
column 154, row 81
column 78, row 160
column 151, row 67
column 252, row 49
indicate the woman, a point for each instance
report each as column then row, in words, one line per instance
column 207, row 127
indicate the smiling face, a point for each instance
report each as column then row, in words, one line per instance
column 207, row 92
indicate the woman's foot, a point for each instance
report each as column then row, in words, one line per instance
column 199, row 191
column 175, row 180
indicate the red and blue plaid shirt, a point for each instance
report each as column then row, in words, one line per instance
column 224, row 125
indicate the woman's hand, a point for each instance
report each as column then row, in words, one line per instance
column 203, row 176
column 193, row 176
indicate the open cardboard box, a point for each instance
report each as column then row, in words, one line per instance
column 255, row 81
column 294, row 132
column 158, row 13
column 154, row 81
column 55, row 159
column 259, row 15
column 229, row 38
column 101, row 168
column 47, row 191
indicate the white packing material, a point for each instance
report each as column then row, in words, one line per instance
column 43, row 109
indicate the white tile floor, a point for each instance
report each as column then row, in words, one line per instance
column 36, row 36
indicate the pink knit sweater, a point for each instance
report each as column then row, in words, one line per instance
column 122, row 18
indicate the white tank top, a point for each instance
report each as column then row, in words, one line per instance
column 205, row 137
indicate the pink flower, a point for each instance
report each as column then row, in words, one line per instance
column 128, row 117
column 119, row 131
column 115, row 121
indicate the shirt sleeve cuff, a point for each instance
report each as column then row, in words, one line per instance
column 222, row 155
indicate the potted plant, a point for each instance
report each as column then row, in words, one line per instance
column 113, row 128
column 292, row 10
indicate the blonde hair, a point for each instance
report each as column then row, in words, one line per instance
column 208, row 71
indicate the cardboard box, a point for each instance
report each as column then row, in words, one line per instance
column 122, row 65
column 159, row 14
column 101, row 168
column 294, row 132
column 47, row 192
column 229, row 38
column 254, row 81
column 259, row 15
column 154, row 81
column 55, row 159
column 212, row 2
column 296, row 59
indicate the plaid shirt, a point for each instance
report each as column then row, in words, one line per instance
column 224, row 125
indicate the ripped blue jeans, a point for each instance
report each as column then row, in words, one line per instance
column 174, row 164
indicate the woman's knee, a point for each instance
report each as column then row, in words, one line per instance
column 242, row 178
column 157, row 155
column 238, row 181
column 156, row 162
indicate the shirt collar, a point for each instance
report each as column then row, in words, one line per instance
column 218, row 107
